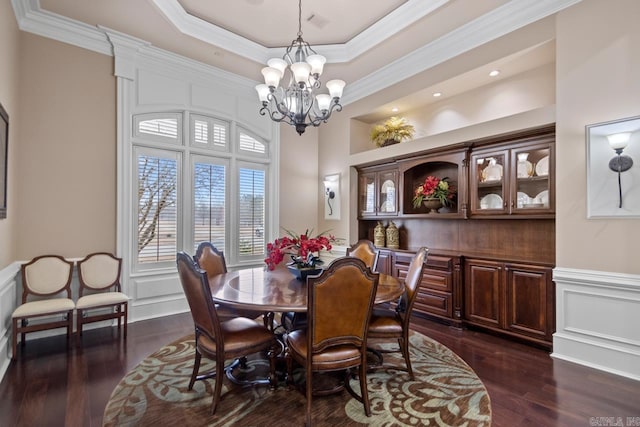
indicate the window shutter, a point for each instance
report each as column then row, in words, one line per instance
column 249, row 144
column 251, row 211
column 209, row 188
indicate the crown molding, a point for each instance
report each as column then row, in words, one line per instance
column 389, row 25
column 509, row 17
column 503, row 20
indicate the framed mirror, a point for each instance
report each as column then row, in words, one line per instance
column 4, row 145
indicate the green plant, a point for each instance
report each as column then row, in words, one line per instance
column 393, row 129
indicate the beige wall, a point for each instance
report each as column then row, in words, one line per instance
column 9, row 78
column 66, row 191
column 598, row 69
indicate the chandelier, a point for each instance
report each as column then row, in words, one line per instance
column 298, row 104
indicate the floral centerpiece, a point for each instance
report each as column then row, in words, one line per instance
column 434, row 188
column 303, row 249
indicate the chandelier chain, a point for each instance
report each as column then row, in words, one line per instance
column 299, row 18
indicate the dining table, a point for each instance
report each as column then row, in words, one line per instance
column 278, row 290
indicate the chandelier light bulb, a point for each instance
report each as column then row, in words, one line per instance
column 279, row 64
column 263, row 92
column 271, row 76
column 301, row 71
column 317, row 63
column 324, row 101
column 335, row 88
column 619, row 141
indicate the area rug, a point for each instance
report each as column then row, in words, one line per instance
column 445, row 392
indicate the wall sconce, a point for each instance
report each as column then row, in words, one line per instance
column 620, row 163
column 331, row 195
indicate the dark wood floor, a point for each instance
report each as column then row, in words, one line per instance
column 50, row 386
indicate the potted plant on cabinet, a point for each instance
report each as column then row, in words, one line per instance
column 392, row 131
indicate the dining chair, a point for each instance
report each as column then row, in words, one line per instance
column 217, row 340
column 212, row 260
column 100, row 291
column 366, row 251
column 394, row 324
column 45, row 279
column 339, row 307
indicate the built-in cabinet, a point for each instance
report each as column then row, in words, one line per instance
column 492, row 253
column 378, row 191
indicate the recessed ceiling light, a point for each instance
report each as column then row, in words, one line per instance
column 437, row 94
column 494, row 73
column 394, row 110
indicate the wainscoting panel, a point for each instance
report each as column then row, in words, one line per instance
column 597, row 318
column 8, row 298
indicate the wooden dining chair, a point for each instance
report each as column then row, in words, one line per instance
column 211, row 260
column 220, row 341
column 366, row 251
column 46, row 280
column 394, row 324
column 339, row 307
column 100, row 291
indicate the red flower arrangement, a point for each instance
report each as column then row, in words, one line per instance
column 301, row 248
column 434, row 188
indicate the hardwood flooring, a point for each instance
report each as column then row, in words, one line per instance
column 52, row 385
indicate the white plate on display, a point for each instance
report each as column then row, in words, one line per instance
column 525, row 168
column 542, row 167
column 388, row 186
column 523, row 199
column 491, row 201
column 388, row 206
column 542, row 197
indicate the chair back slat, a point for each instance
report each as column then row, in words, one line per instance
column 46, row 275
column 340, row 303
column 196, row 288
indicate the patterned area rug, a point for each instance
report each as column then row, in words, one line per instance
column 445, row 392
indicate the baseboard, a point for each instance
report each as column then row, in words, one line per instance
column 596, row 317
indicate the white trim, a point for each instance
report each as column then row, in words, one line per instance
column 596, row 314
column 509, row 17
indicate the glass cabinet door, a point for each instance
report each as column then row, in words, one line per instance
column 388, row 192
column 488, row 189
column 531, row 176
column 367, row 194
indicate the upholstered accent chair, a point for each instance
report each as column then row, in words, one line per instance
column 100, row 291
column 340, row 302
column 387, row 324
column 46, row 296
column 211, row 260
column 216, row 340
column 366, row 251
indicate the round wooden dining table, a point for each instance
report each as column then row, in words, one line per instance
column 278, row 291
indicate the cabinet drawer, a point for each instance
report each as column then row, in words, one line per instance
column 436, row 280
column 433, row 302
column 444, row 263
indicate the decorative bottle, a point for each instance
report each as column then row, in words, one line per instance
column 378, row 235
column 393, row 236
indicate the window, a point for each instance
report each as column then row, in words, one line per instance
column 182, row 191
column 157, row 185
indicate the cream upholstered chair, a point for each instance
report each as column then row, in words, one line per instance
column 100, row 291
column 211, row 260
column 46, row 281
column 221, row 341
column 366, row 251
column 389, row 324
column 339, row 307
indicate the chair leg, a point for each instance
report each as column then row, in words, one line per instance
column 196, row 368
column 126, row 311
column 218, row 387
column 309, row 387
column 79, row 323
column 404, row 347
column 69, row 326
column 14, row 340
column 363, row 389
column 273, row 381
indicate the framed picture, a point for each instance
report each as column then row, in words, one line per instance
column 613, row 172
column 4, row 146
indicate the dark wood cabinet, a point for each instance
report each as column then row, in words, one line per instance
column 515, row 298
column 378, row 191
column 438, row 294
column 385, row 262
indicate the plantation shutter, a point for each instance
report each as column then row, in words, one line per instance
column 251, row 211
column 209, row 214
